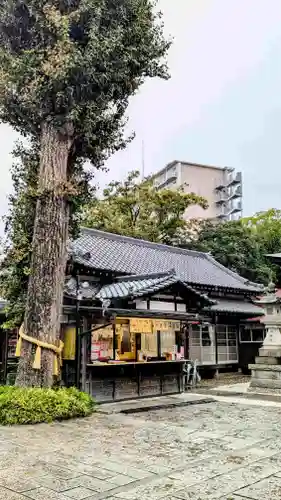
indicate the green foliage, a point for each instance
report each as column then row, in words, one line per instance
column 239, row 245
column 267, row 227
column 138, row 209
column 19, row 225
column 34, row 405
column 19, row 230
column 75, row 64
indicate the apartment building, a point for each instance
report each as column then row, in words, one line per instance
column 221, row 186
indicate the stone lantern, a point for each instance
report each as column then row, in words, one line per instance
column 266, row 372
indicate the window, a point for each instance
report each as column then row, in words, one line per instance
column 258, row 335
column 227, row 343
column 102, row 344
column 269, row 310
column 149, row 344
column 245, row 335
column 201, row 345
column 248, row 334
column 206, row 339
column 12, row 342
column 168, row 340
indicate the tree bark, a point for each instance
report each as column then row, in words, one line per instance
column 49, row 257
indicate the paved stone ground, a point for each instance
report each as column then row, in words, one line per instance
column 217, row 450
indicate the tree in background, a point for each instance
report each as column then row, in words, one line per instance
column 267, row 228
column 138, row 209
column 67, row 71
column 19, row 229
column 241, row 245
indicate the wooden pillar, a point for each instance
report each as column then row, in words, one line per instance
column 216, row 339
column 78, row 337
column 5, row 355
column 114, row 340
column 84, row 356
column 158, row 344
column 186, row 341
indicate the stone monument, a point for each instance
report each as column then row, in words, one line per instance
column 266, row 372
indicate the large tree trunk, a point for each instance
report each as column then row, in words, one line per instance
column 49, row 258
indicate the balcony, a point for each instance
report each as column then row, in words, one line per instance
column 232, row 210
column 166, row 177
column 220, row 187
column 226, row 211
column 235, row 210
column 222, row 213
column 171, row 179
column 230, row 181
column 236, row 193
column 234, row 180
column 222, row 200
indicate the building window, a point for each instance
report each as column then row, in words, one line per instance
column 12, row 342
column 201, row 344
column 206, row 339
column 248, row 334
column 168, row 342
column 227, row 344
column 269, row 310
column 258, row 335
column 245, row 335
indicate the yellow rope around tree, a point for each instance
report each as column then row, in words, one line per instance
column 57, row 350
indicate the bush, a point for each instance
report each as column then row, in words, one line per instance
column 20, row 405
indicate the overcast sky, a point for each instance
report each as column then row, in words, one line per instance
column 222, row 104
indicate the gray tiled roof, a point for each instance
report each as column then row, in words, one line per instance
column 123, row 255
column 235, row 306
column 135, row 287
column 138, row 286
column 86, row 290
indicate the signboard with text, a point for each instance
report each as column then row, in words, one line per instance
column 146, row 325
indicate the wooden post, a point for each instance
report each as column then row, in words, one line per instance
column 114, row 340
column 84, row 343
column 186, row 341
column 78, row 337
column 158, row 344
column 216, row 339
column 5, row 356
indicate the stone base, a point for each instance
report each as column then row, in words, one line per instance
column 270, row 352
column 267, row 360
column 266, row 373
